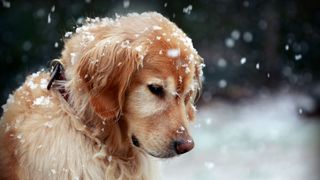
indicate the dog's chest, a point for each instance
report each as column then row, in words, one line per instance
column 57, row 151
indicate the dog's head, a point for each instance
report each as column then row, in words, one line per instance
column 144, row 69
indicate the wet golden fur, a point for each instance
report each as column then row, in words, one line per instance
column 108, row 66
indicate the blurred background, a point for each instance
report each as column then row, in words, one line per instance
column 259, row 114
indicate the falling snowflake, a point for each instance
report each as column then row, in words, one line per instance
column 247, row 37
column 268, row 75
column 6, row 4
column 222, row 63
column 209, row 165
column 286, row 47
column 229, row 42
column 208, row 121
column 258, row 66
column 126, row 3
column 53, row 8
column 49, row 18
column 222, row 83
column 243, row 60
column 298, row 57
column 187, row 9
column 235, row 34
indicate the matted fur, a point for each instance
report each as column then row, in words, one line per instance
column 108, row 65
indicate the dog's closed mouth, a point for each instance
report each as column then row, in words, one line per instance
column 135, row 141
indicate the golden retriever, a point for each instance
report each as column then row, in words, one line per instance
column 122, row 91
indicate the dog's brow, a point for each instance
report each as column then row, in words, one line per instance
column 155, row 80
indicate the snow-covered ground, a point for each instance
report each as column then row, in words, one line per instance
column 265, row 138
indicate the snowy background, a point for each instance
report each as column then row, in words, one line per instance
column 259, row 113
column 265, row 138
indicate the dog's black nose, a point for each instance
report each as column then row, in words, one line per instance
column 183, row 146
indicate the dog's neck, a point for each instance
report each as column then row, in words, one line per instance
column 113, row 135
column 110, row 132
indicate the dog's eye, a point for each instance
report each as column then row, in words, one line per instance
column 156, row 90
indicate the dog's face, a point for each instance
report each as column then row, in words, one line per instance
column 144, row 71
column 159, row 106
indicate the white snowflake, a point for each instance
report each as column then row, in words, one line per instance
column 187, row 9
column 6, row 4
column 222, row 63
column 243, row 60
column 10, row 99
column 229, row 42
column 180, row 130
column 49, row 18
column 268, row 75
column 34, row 75
column 42, row 101
column 109, row 158
column 19, row 136
column 247, row 37
column 53, row 8
column 235, row 34
column 43, row 83
column 222, row 83
column 67, row 34
column 173, row 53
column 209, row 165
column 297, row 57
column 156, row 27
column 126, row 3
column 208, row 121
column 138, row 48
column 48, row 124
column 258, row 66
column 286, row 47
column 53, row 171
column 31, row 84
column 187, row 70
column 88, row 37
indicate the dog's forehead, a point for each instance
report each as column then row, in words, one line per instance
column 176, row 75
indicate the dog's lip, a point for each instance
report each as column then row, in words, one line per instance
column 164, row 156
column 136, row 143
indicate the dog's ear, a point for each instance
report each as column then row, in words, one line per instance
column 106, row 70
